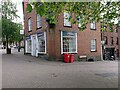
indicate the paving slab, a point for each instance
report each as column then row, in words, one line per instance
column 24, row 71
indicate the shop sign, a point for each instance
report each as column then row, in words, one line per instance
column 40, row 34
column 28, row 37
column 68, row 33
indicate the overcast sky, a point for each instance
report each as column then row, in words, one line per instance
column 20, row 10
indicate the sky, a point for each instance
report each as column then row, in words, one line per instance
column 20, row 10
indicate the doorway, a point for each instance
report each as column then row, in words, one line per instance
column 34, row 45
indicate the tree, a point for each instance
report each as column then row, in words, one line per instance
column 105, row 12
column 9, row 28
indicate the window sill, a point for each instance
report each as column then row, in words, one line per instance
column 39, row 28
column 68, row 26
column 30, row 31
column 69, row 52
column 41, row 52
column 94, row 51
column 92, row 29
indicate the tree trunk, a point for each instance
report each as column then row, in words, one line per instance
column 8, row 50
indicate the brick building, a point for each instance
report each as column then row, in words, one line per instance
column 111, row 39
column 52, row 42
column 119, row 41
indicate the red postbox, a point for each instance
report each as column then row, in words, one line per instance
column 66, row 58
column 71, row 58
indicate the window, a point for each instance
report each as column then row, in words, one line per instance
column 117, row 41
column 106, row 40
column 112, row 41
column 68, row 42
column 30, row 25
column 28, row 44
column 92, row 25
column 39, row 21
column 79, row 24
column 93, row 45
column 41, row 42
column 67, row 17
column 116, row 30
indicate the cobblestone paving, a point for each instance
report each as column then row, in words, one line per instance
column 23, row 71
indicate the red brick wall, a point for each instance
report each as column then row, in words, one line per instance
column 54, row 36
column 84, row 38
column 119, row 40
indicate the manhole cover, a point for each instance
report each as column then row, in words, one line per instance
column 106, row 74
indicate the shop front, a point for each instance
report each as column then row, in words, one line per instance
column 28, row 44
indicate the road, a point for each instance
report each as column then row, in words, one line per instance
column 24, row 71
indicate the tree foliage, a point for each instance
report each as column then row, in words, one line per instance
column 105, row 12
column 10, row 29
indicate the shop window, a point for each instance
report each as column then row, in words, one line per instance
column 42, row 42
column 39, row 21
column 68, row 42
column 30, row 25
column 67, row 17
column 28, row 44
column 93, row 45
column 93, row 25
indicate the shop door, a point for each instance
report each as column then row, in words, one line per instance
column 34, row 46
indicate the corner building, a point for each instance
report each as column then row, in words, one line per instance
column 44, row 41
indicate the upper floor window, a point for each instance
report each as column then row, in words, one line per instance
column 79, row 24
column 106, row 40
column 30, row 24
column 39, row 21
column 92, row 25
column 67, row 17
column 112, row 41
column 117, row 42
column 93, row 45
column 116, row 30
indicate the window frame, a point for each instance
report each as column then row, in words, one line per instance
column 28, row 41
column 67, row 23
column 94, row 25
column 30, row 24
column 45, row 44
column 95, row 48
column 38, row 21
column 62, row 43
column 111, row 41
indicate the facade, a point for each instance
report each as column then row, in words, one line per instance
column 111, row 45
column 119, row 41
column 52, row 43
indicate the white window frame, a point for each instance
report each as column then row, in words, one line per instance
column 39, row 21
column 26, row 47
column 29, row 24
column 45, row 45
column 79, row 24
column 93, row 43
column 62, row 44
column 92, row 25
column 66, row 21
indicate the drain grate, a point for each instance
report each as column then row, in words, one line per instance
column 106, row 74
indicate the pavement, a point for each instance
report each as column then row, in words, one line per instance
column 24, row 71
